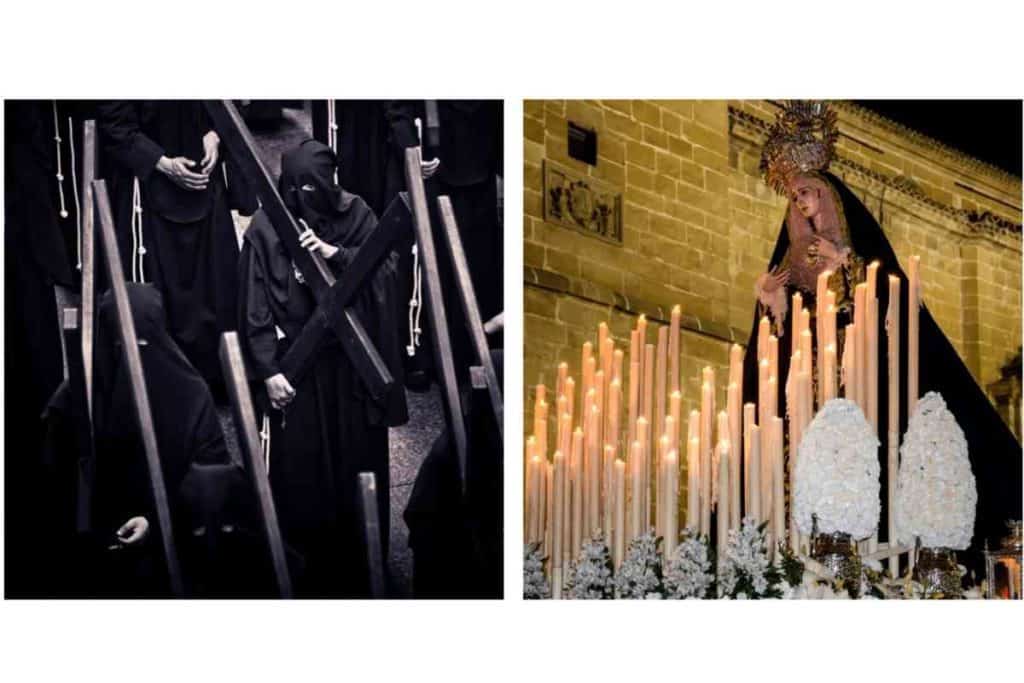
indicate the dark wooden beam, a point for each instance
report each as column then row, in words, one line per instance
column 88, row 310
column 249, row 440
column 143, row 413
column 371, row 531
column 474, row 325
column 434, row 299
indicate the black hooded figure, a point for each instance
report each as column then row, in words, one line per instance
column 995, row 453
column 456, row 539
column 187, row 433
column 331, row 429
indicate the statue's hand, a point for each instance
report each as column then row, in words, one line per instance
column 823, row 250
column 773, row 280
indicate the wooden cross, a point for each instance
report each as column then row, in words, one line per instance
column 143, row 414
column 371, row 533
column 332, row 312
column 248, row 437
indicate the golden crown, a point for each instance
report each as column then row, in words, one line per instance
column 803, row 138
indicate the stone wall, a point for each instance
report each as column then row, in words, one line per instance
column 700, row 224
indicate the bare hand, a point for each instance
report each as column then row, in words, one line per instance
column 280, row 390
column 773, row 280
column 429, row 168
column 180, row 171
column 211, row 151
column 309, row 241
column 133, row 531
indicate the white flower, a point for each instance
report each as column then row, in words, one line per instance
column 639, row 577
column 936, row 495
column 689, row 574
column 837, row 473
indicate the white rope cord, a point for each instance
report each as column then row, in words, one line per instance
column 415, row 303
column 332, row 132
column 265, row 441
column 60, row 170
column 74, row 189
column 138, row 245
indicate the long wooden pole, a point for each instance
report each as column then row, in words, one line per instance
column 143, row 412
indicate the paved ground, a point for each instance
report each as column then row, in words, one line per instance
column 409, row 443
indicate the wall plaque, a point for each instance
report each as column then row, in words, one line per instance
column 582, row 203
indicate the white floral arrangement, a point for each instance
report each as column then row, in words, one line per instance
column 746, row 573
column 690, row 574
column 837, row 473
column 936, row 495
column 590, row 576
column 535, row 584
column 639, row 577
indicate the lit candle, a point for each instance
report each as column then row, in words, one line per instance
column 617, row 365
column 859, row 311
column 535, row 499
column 576, row 465
column 693, row 472
column 620, row 512
column 706, row 473
column 671, row 502
column 586, row 367
column 764, row 329
column 796, row 323
column 778, row 499
column 821, row 322
column 850, row 363
column 871, row 344
column 673, row 348
column 913, row 330
column 614, row 413
column 593, row 475
column 733, row 398
column 892, row 326
column 636, row 519
column 755, row 474
column 748, row 421
column 723, row 500
column 660, row 381
column 660, row 486
column 643, row 436
column 558, row 524
column 829, row 372
column 773, row 371
column 634, row 399
column 607, row 488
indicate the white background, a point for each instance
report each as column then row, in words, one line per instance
column 509, row 50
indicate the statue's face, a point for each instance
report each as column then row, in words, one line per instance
column 806, row 196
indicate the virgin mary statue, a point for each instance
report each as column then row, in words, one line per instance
column 827, row 227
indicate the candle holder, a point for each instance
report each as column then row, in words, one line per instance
column 838, row 553
column 1003, row 566
column 937, row 572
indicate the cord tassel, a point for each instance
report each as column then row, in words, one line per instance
column 74, row 189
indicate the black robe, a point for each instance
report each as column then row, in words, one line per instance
column 995, row 452
column 333, row 429
column 188, row 235
column 471, row 152
column 36, row 259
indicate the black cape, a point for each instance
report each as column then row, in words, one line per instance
column 995, row 453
